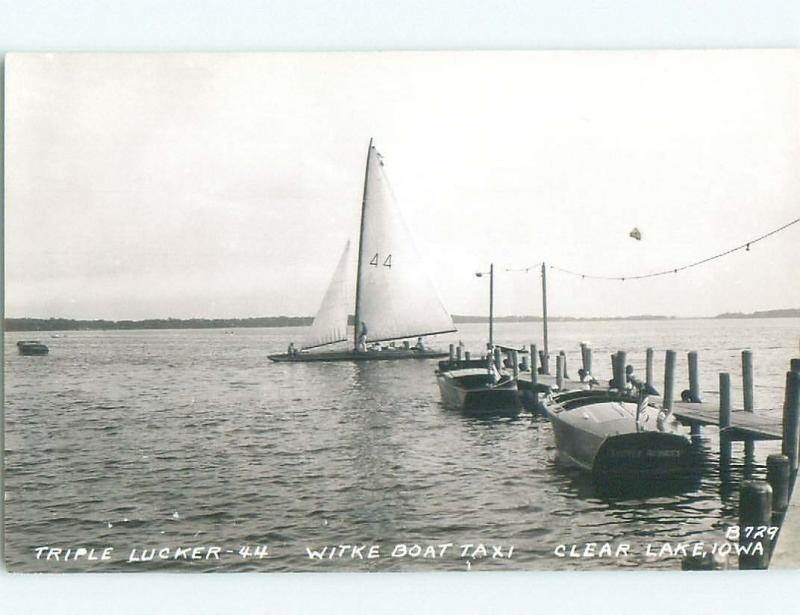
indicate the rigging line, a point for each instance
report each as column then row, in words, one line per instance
column 526, row 269
column 744, row 246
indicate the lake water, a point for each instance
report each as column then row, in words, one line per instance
column 178, row 439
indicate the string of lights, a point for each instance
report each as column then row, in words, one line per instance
column 745, row 246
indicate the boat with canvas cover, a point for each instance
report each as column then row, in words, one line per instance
column 618, row 434
column 476, row 386
column 394, row 297
column 481, row 386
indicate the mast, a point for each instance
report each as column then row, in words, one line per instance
column 491, row 305
column 360, row 247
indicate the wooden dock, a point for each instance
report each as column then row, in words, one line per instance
column 762, row 424
column 762, row 503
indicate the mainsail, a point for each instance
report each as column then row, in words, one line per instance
column 330, row 323
column 395, row 297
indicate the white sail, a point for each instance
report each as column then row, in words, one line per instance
column 395, row 297
column 330, row 323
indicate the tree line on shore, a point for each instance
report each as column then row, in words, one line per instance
column 69, row 324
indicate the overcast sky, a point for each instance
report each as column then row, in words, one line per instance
column 145, row 186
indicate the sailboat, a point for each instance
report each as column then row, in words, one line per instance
column 394, row 297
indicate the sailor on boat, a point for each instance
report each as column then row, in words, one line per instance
column 362, row 338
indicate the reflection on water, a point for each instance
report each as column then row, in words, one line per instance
column 142, row 439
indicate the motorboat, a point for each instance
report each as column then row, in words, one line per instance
column 476, row 386
column 618, row 433
column 32, row 348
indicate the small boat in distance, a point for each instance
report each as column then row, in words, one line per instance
column 394, row 297
column 32, row 348
column 618, row 434
column 476, row 386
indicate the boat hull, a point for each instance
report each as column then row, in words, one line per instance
column 350, row 355
column 600, row 438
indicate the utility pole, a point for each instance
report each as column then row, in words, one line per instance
column 546, row 362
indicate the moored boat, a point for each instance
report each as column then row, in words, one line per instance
column 477, row 387
column 32, row 348
column 618, row 435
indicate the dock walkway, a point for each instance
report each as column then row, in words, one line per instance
column 763, row 424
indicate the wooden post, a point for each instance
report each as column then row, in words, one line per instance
column 458, row 353
column 747, row 389
column 586, row 356
column 791, row 420
column 515, row 363
column 560, row 372
column 724, row 418
column 546, row 360
column 620, row 376
column 466, row 355
column 613, row 369
column 669, row 380
column 794, row 365
column 778, row 478
column 534, row 366
column 498, row 359
column 524, row 363
column 564, row 364
column 649, row 367
column 694, row 378
column 755, row 510
column 747, row 379
column 452, row 352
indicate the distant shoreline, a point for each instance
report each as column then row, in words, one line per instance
column 68, row 324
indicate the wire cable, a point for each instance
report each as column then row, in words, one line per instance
column 744, row 246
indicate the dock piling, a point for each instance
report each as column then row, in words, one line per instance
column 669, row 379
column 458, row 353
column 747, row 391
column 466, row 355
column 534, row 366
column 755, row 510
column 498, row 359
column 563, row 356
column 649, row 367
column 791, row 419
column 586, row 359
column 747, row 379
column 515, row 363
column 620, row 358
column 692, row 394
column 778, row 478
column 560, row 372
column 524, row 363
column 724, row 418
column 452, row 352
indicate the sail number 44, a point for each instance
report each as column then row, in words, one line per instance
column 387, row 262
